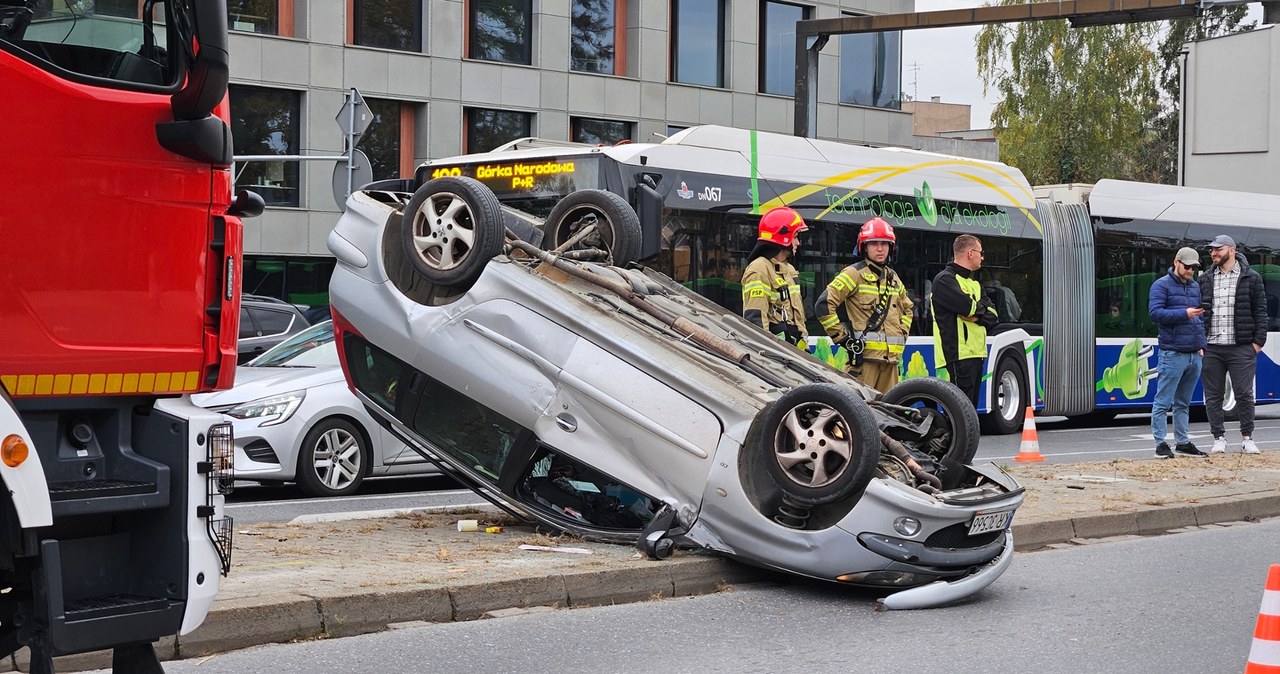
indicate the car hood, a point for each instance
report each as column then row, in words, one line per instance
column 253, row 383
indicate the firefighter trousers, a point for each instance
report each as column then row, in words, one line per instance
column 880, row 375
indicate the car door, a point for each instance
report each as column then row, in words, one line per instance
column 627, row 424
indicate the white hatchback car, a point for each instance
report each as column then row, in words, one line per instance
column 297, row 421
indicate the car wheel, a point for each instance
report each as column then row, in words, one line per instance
column 617, row 225
column 334, row 459
column 822, row 443
column 450, row 229
column 1009, row 408
column 952, row 439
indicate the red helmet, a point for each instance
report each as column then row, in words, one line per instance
column 780, row 226
column 876, row 229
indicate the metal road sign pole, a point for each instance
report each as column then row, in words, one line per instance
column 354, row 127
column 352, row 97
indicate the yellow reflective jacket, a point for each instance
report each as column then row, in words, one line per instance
column 771, row 295
column 861, row 287
column 957, row 294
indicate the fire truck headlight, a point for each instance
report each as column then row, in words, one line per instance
column 272, row 411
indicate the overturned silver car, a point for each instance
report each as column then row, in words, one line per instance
column 604, row 400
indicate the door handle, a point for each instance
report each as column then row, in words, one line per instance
column 566, row 422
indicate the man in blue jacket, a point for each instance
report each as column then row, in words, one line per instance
column 1175, row 308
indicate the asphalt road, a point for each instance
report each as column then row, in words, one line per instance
column 1162, row 604
column 1064, row 440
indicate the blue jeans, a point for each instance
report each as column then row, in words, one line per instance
column 1177, row 376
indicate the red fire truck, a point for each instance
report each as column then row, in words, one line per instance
column 120, row 247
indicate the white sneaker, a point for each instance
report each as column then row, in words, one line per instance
column 1248, row 446
column 1219, row 446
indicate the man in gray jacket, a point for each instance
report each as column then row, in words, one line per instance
column 1235, row 321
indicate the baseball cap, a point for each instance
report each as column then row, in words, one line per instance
column 1222, row 240
column 1188, row 257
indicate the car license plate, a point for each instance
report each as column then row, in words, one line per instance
column 985, row 522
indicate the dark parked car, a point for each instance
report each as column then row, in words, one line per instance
column 605, row 400
column 265, row 322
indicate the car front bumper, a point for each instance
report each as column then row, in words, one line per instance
column 942, row 592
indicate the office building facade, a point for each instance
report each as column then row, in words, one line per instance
column 444, row 77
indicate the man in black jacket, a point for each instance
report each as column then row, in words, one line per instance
column 1236, row 324
column 961, row 317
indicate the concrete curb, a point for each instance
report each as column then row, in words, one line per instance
column 253, row 621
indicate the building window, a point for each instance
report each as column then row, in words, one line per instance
column 487, row 129
column 697, row 42
column 62, row 9
column 593, row 41
column 778, row 46
column 297, row 280
column 266, row 121
column 599, row 131
column 383, row 141
column 672, row 129
column 125, row 8
column 501, row 30
column 387, row 24
column 254, row 16
column 871, row 69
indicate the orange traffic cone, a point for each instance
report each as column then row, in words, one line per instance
column 1264, row 655
column 1030, row 448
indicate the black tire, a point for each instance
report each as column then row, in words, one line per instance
column 617, row 225
column 450, row 230
column 846, row 436
column 953, row 440
column 1009, row 388
column 317, row 473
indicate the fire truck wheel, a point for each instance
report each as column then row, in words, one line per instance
column 617, row 225
column 450, row 229
column 334, row 459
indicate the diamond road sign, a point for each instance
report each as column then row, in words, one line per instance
column 354, row 124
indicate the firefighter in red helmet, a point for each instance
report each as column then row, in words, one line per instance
column 876, row 302
column 770, row 291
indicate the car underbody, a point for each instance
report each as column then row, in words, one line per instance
column 633, row 410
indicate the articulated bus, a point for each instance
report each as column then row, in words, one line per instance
column 701, row 192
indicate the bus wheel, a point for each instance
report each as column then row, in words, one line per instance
column 820, row 443
column 952, row 436
column 1009, row 388
column 450, row 229
column 617, row 225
